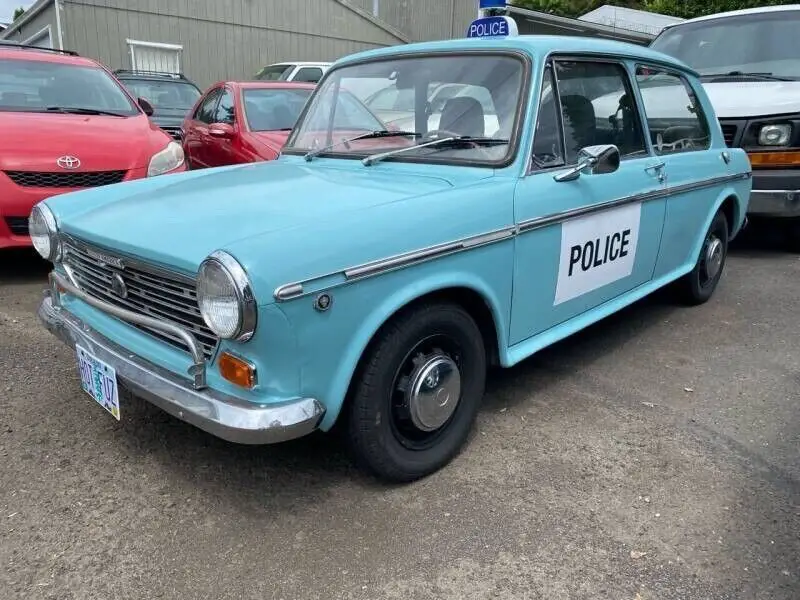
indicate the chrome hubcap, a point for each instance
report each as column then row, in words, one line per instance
column 713, row 258
column 434, row 392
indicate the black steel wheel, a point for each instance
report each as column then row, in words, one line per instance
column 417, row 393
column 697, row 286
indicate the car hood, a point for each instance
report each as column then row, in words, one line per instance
column 177, row 220
column 34, row 141
column 735, row 99
column 730, row 99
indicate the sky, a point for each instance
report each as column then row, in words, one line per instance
column 7, row 8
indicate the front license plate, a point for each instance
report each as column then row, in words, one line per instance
column 99, row 381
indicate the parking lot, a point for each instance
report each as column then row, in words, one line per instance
column 653, row 456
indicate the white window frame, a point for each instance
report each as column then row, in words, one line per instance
column 133, row 44
column 47, row 29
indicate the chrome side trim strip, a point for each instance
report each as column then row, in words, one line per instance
column 298, row 289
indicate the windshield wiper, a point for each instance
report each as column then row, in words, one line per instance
column 83, row 111
column 448, row 141
column 364, row 136
column 745, row 75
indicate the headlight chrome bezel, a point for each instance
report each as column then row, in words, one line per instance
column 42, row 212
column 784, row 131
column 246, row 302
column 172, row 147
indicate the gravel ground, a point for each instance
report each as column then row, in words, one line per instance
column 654, row 456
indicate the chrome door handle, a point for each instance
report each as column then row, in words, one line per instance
column 658, row 168
column 655, row 167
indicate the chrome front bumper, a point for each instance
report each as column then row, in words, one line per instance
column 774, row 203
column 224, row 416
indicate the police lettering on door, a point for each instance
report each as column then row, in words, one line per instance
column 597, row 250
column 595, row 253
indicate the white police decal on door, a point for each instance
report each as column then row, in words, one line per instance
column 596, row 250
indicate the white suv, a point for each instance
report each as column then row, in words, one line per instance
column 310, row 72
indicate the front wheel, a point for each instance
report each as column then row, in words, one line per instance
column 697, row 286
column 417, row 393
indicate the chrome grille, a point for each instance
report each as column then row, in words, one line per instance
column 175, row 132
column 150, row 291
column 729, row 131
column 83, row 179
column 17, row 225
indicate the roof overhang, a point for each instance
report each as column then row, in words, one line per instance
column 576, row 26
column 29, row 14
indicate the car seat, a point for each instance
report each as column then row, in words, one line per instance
column 463, row 116
column 580, row 125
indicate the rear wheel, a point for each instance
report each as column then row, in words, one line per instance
column 697, row 286
column 418, row 392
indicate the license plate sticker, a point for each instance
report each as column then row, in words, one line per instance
column 99, row 381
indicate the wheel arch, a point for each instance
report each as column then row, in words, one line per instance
column 729, row 202
column 463, row 289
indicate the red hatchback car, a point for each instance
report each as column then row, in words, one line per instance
column 66, row 123
column 245, row 122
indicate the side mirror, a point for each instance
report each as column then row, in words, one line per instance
column 220, row 130
column 595, row 160
column 146, row 106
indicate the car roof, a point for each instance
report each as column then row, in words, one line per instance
column 20, row 53
column 741, row 12
column 253, row 85
column 300, row 63
column 536, row 46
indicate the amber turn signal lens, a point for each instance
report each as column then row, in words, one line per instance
column 774, row 159
column 236, row 370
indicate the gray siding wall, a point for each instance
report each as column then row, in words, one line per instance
column 424, row 20
column 44, row 19
column 221, row 39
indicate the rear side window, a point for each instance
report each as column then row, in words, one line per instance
column 675, row 119
column 309, row 75
column 275, row 73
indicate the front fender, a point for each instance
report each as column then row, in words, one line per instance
column 333, row 342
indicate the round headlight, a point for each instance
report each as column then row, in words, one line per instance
column 775, row 135
column 225, row 297
column 43, row 231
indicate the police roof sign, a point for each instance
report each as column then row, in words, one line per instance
column 492, row 27
column 492, row 4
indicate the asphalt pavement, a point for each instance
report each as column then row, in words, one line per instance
column 653, row 456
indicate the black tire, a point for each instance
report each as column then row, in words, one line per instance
column 382, row 431
column 697, row 286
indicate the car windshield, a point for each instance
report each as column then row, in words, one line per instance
column 274, row 73
column 273, row 109
column 761, row 44
column 431, row 97
column 37, row 86
column 164, row 95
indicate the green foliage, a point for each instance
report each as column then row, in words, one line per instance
column 697, row 8
column 677, row 8
column 18, row 13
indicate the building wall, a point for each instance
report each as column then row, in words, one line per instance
column 221, row 40
column 45, row 20
column 423, row 20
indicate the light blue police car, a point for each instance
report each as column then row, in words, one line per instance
column 370, row 275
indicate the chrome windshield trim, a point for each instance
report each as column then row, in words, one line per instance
column 198, row 368
column 298, row 289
